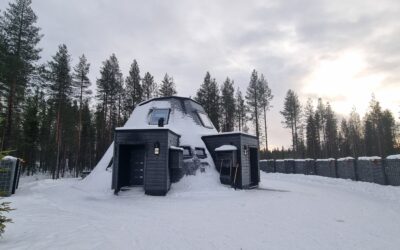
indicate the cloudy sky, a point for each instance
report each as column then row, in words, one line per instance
column 341, row 51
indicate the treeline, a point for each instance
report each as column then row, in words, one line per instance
column 47, row 117
column 317, row 132
column 52, row 120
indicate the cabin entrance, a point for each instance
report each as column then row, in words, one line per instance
column 254, row 172
column 132, row 162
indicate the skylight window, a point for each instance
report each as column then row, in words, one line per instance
column 156, row 114
column 205, row 120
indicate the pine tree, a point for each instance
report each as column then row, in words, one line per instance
column 60, row 90
column 253, row 101
column 331, row 142
column 30, row 128
column 241, row 111
column 149, row 87
column 20, row 37
column 228, row 108
column 167, row 87
column 109, row 93
column 208, row 97
column 291, row 113
column 265, row 102
column 81, row 84
column 321, row 124
column 355, row 134
column 344, row 139
column 134, row 90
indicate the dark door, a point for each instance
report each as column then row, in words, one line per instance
column 136, row 163
column 254, row 173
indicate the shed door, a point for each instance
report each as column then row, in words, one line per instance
column 137, row 157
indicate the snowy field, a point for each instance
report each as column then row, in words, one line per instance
column 287, row 212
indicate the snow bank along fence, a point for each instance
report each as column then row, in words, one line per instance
column 9, row 175
column 369, row 169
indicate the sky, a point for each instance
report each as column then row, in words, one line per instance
column 340, row 51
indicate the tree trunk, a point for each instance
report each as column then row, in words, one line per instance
column 265, row 129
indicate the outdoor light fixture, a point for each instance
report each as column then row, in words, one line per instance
column 245, row 149
column 157, row 148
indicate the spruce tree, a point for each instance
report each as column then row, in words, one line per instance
column 291, row 113
column 355, row 134
column 19, row 39
column 149, row 86
column 331, row 130
column 208, row 96
column 60, row 91
column 167, row 87
column 241, row 111
column 312, row 133
column 253, row 99
column 134, row 90
column 265, row 103
column 228, row 108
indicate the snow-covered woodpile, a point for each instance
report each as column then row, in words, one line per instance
column 346, row 168
column 285, row 166
column 326, row 167
column 368, row 169
column 392, row 170
column 267, row 166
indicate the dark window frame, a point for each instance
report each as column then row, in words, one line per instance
column 200, row 156
column 166, row 121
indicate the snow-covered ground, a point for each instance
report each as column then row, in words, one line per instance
column 287, row 212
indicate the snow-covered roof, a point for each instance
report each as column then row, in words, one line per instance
column 226, row 148
column 369, row 158
column 8, row 157
column 393, row 157
column 230, row 133
column 176, row 148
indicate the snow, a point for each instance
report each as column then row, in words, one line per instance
column 369, row 158
column 176, row 148
column 393, row 157
column 226, row 148
column 233, row 133
column 8, row 157
column 286, row 212
column 329, row 159
column 302, row 160
column 345, row 159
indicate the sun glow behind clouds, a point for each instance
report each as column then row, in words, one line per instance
column 344, row 81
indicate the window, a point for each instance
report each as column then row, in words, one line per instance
column 187, row 153
column 200, row 153
column 156, row 114
column 205, row 120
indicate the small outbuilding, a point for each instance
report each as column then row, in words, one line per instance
column 236, row 155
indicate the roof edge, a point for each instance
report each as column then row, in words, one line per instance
column 168, row 97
